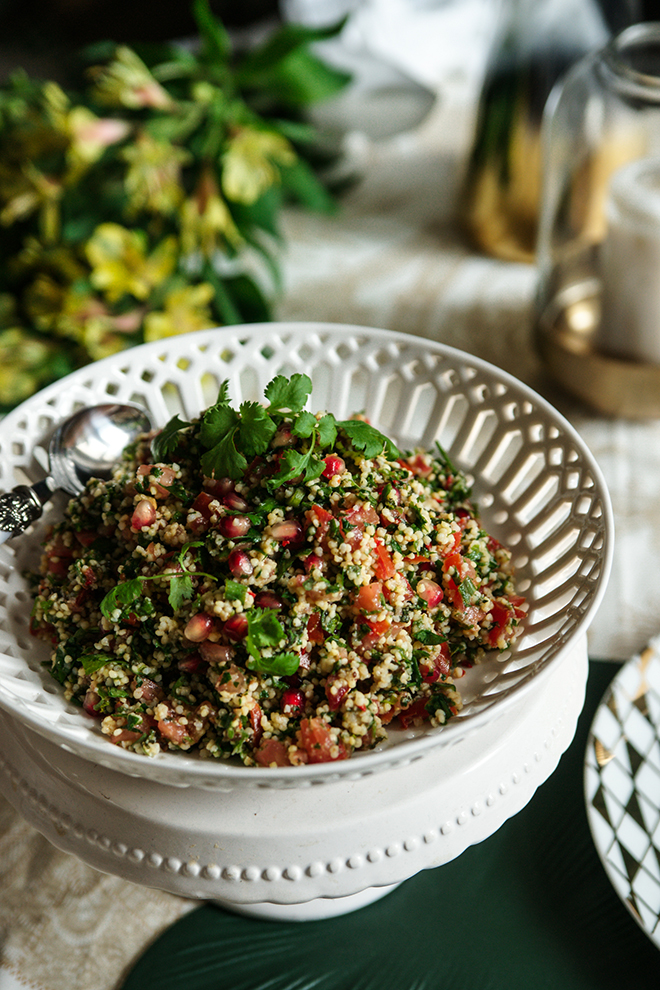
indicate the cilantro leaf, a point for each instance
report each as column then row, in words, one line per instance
column 327, row 430
column 264, row 630
column 217, row 422
column 282, row 664
column 165, row 443
column 304, row 425
column 122, row 594
column 297, row 465
column 367, row 438
column 291, row 394
column 256, row 428
column 94, row 661
column 181, row 589
column 223, row 460
column 428, row 638
column 234, row 591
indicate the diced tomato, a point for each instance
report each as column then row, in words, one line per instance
column 86, row 537
column 432, row 669
column 384, row 568
column 255, row 722
column 503, row 614
column 272, row 752
column 419, row 465
column 451, row 547
column 336, row 690
column 315, row 633
column 368, row 598
column 357, row 517
column 314, row 737
column 415, row 714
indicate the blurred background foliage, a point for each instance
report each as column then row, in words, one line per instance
column 141, row 178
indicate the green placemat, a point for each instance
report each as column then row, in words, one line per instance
column 530, row 908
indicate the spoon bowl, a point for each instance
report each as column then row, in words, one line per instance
column 86, row 445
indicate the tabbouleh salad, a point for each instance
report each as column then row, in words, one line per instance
column 273, row 585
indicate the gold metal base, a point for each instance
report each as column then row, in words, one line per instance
column 611, row 385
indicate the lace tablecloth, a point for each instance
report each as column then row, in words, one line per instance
column 394, row 257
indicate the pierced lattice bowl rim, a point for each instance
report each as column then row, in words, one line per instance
column 536, row 484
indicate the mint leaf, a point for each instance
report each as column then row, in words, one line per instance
column 281, row 665
column 165, row 443
column 256, row 428
column 121, row 594
column 181, row 589
column 264, row 630
column 367, row 438
column 304, row 425
column 288, row 395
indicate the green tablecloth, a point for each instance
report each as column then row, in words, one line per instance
column 531, row 907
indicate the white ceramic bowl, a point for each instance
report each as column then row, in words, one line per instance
column 537, row 488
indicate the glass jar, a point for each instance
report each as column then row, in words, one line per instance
column 598, row 248
column 537, row 41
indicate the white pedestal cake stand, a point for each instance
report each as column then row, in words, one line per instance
column 303, row 853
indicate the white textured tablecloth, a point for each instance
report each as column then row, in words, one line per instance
column 394, row 258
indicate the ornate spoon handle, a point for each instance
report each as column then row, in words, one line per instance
column 20, row 507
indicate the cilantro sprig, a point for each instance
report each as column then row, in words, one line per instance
column 180, row 586
column 230, row 437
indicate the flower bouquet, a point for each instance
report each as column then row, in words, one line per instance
column 145, row 203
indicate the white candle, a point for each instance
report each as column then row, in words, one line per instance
column 630, row 263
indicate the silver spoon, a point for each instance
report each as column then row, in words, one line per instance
column 86, row 445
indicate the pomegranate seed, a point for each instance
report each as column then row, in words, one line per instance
column 293, row 701
column 282, row 438
column 333, row 465
column 239, row 564
column 268, row 599
column 234, row 527
column 236, row 627
column 235, row 501
column 89, row 704
column 218, row 486
column 198, row 628
column 287, row 531
column 192, row 664
column 144, row 514
column 430, row 591
column 216, row 652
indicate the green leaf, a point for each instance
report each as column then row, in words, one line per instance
column 181, row 589
column 327, row 430
column 216, row 40
column 264, row 630
column 428, row 638
column 281, row 665
column 234, row 591
column 165, row 443
column 223, row 460
column 300, row 181
column 256, row 428
column 367, row 438
column 303, row 79
column 217, row 422
column 288, row 395
column 282, row 43
column 94, row 661
column 468, row 591
column 121, row 594
column 304, row 425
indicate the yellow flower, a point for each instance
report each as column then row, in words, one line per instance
column 120, row 263
column 185, row 310
column 32, row 191
column 90, row 135
column 58, row 259
column 127, row 82
column 24, row 365
column 205, row 218
column 153, row 178
column 250, row 163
